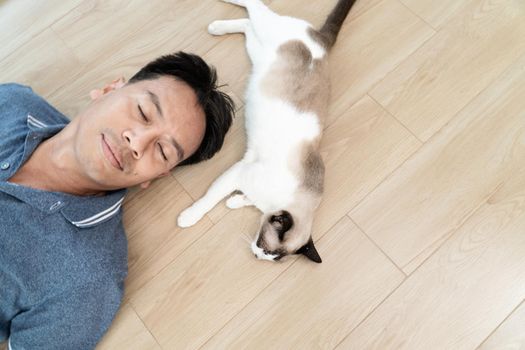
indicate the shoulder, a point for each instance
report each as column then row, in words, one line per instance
column 18, row 101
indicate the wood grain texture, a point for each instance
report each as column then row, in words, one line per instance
column 465, row 289
column 436, row 13
column 436, row 190
column 449, row 70
column 53, row 59
column 510, row 335
column 214, row 279
column 21, row 20
column 151, row 247
column 370, row 47
column 128, row 333
column 360, row 149
column 319, row 304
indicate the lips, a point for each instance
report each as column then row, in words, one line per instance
column 111, row 155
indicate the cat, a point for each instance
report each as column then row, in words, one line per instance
column 282, row 172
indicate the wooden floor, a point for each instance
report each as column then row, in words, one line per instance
column 422, row 226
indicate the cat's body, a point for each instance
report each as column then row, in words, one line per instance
column 287, row 98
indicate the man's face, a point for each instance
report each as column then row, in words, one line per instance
column 134, row 133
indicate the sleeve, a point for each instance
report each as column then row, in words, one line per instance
column 73, row 319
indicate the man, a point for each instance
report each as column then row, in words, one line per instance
column 63, row 251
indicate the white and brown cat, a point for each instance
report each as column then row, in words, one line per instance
column 287, row 98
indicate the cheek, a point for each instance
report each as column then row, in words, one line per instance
column 271, row 241
column 148, row 168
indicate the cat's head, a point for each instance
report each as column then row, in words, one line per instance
column 286, row 232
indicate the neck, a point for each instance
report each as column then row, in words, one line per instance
column 52, row 167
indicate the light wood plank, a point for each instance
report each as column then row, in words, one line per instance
column 128, row 332
column 436, row 190
column 436, row 13
column 215, row 278
column 448, row 71
column 85, row 29
column 360, row 149
column 370, row 47
column 39, row 63
column 154, row 239
column 456, row 298
column 316, row 12
column 314, row 307
column 22, row 20
column 510, row 335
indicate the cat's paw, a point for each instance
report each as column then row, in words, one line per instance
column 189, row 217
column 237, row 201
column 217, row 28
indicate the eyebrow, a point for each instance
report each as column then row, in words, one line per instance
column 155, row 100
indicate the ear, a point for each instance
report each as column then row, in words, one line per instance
column 145, row 185
column 115, row 84
column 310, row 252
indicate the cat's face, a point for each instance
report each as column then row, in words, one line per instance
column 281, row 234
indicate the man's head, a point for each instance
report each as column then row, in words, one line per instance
column 169, row 113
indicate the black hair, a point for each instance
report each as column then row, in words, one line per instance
column 218, row 106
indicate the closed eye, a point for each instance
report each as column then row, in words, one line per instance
column 162, row 153
column 142, row 114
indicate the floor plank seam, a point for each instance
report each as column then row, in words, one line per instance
column 40, row 32
column 471, row 100
column 248, row 303
column 418, row 16
column 396, row 119
column 372, row 311
column 377, row 246
column 384, row 179
column 501, row 323
column 144, row 324
column 270, row 283
column 453, row 232
column 394, row 67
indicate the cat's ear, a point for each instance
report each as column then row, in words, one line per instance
column 115, row 84
column 310, row 252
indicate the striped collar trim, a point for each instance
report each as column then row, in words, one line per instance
column 34, row 122
column 101, row 216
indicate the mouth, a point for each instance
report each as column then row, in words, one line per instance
column 111, row 155
column 260, row 254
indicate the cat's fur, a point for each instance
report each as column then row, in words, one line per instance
column 287, row 98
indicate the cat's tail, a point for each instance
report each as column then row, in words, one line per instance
column 335, row 20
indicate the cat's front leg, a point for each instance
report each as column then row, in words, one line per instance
column 221, row 187
column 222, row 27
column 238, row 200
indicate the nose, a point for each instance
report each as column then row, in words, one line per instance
column 137, row 141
